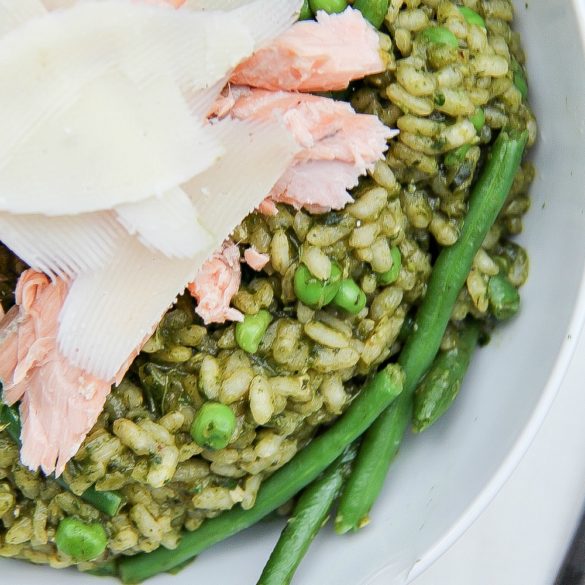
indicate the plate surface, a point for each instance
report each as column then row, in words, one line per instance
column 445, row 478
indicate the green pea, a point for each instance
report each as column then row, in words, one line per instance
column 471, row 16
column 457, row 156
column 391, row 275
column 478, row 119
column 306, row 13
column 519, row 78
column 213, row 426
column 350, row 297
column 439, row 35
column 503, row 297
column 251, row 330
column 373, row 10
column 313, row 292
column 80, row 541
column 329, row 6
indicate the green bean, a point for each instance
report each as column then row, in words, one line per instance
column 305, row 13
column 350, row 297
column 106, row 502
column 310, row 514
column 313, row 292
column 180, row 568
column 251, row 330
column 503, row 297
column 352, row 512
column 80, row 541
column 381, row 442
column 329, row 6
column 440, row 386
column 107, row 569
column 439, row 35
column 391, row 275
column 373, row 10
column 478, row 119
column 300, row 471
column 471, row 17
column 213, row 426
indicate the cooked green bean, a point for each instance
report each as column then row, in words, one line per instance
column 352, row 512
column 309, row 515
column 440, row 386
column 107, row 569
column 300, row 471
column 373, row 10
column 503, row 297
column 382, row 440
column 106, row 502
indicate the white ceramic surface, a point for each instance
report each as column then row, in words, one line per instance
column 443, row 479
column 523, row 535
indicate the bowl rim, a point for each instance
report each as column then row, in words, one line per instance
column 520, row 447
column 523, row 442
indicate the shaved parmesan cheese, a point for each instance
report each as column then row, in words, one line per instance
column 257, row 154
column 62, row 246
column 118, row 144
column 169, row 224
column 266, row 18
column 14, row 13
column 271, row 18
column 202, row 103
column 215, row 4
column 110, row 312
column 45, row 64
column 58, row 4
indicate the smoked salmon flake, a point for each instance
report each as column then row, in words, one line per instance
column 338, row 145
column 59, row 403
column 322, row 55
column 216, row 284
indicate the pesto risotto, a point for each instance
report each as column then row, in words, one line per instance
column 211, row 408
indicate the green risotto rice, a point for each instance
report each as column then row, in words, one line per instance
column 305, row 364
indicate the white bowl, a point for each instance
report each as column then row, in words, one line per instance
column 446, row 477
